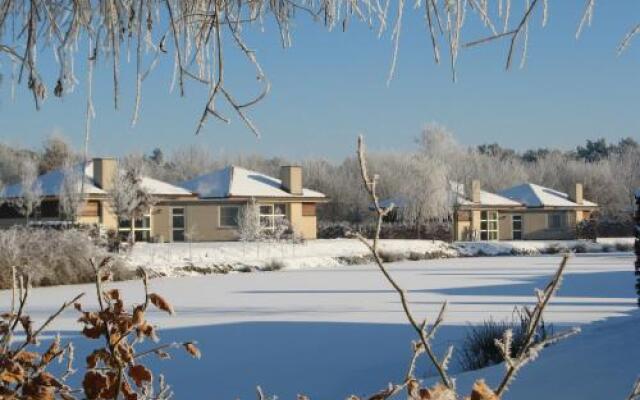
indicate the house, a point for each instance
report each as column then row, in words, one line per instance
column 205, row 208
column 523, row 212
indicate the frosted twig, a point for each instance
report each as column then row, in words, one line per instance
column 370, row 187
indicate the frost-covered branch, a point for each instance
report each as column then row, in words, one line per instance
column 370, row 186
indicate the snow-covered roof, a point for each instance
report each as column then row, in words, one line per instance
column 235, row 181
column 486, row 198
column 51, row 182
column 533, row 195
column 156, row 187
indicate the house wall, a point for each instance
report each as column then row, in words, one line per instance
column 203, row 224
column 505, row 226
column 535, row 224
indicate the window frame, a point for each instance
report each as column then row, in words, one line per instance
column 272, row 216
column 562, row 220
column 520, row 230
column 145, row 231
column 224, row 226
column 175, row 229
column 488, row 233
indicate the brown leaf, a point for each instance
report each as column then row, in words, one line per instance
column 437, row 392
column 128, row 392
column 92, row 332
column 93, row 384
column 161, row 303
column 138, row 315
column 140, row 374
column 11, row 372
column 192, row 349
column 52, row 351
column 480, row 391
column 113, row 294
column 97, row 356
column 26, row 358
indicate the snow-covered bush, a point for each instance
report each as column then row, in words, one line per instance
column 51, row 257
column 249, row 228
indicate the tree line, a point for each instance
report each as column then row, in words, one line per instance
column 419, row 178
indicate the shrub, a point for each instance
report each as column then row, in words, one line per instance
column 624, row 246
column 52, row 257
column 607, row 248
column 391, row 256
column 417, row 256
column 479, row 350
column 273, row 265
column 580, row 248
column 555, row 248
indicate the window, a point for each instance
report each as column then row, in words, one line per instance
column 272, row 214
column 229, row 216
column 177, row 224
column 556, row 221
column 488, row 225
column 516, row 227
column 141, row 229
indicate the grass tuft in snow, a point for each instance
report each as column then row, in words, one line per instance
column 479, row 350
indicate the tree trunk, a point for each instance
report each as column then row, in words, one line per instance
column 132, row 236
column 637, row 245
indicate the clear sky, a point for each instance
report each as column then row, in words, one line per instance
column 329, row 87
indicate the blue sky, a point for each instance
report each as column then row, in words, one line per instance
column 329, row 87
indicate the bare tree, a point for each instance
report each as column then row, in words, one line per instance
column 129, row 198
column 30, row 196
column 71, row 197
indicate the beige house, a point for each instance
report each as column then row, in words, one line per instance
column 203, row 209
column 523, row 212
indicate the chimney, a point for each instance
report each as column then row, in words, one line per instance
column 104, row 169
column 475, row 191
column 291, row 177
column 576, row 194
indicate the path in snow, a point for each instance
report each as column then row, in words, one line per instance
column 333, row 332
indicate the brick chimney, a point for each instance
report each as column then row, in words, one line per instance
column 575, row 194
column 291, row 177
column 475, row 191
column 104, row 170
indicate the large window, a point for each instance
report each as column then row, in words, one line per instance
column 229, row 216
column 557, row 221
column 141, row 228
column 177, row 224
column 488, row 225
column 272, row 214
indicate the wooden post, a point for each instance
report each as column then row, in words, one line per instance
column 637, row 244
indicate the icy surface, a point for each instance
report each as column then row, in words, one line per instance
column 332, row 332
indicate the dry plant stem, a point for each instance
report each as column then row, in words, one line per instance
column 370, row 186
column 542, row 303
column 51, row 318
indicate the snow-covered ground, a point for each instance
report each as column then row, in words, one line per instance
column 331, row 332
column 179, row 259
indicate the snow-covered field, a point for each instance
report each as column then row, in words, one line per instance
column 180, row 259
column 331, row 332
